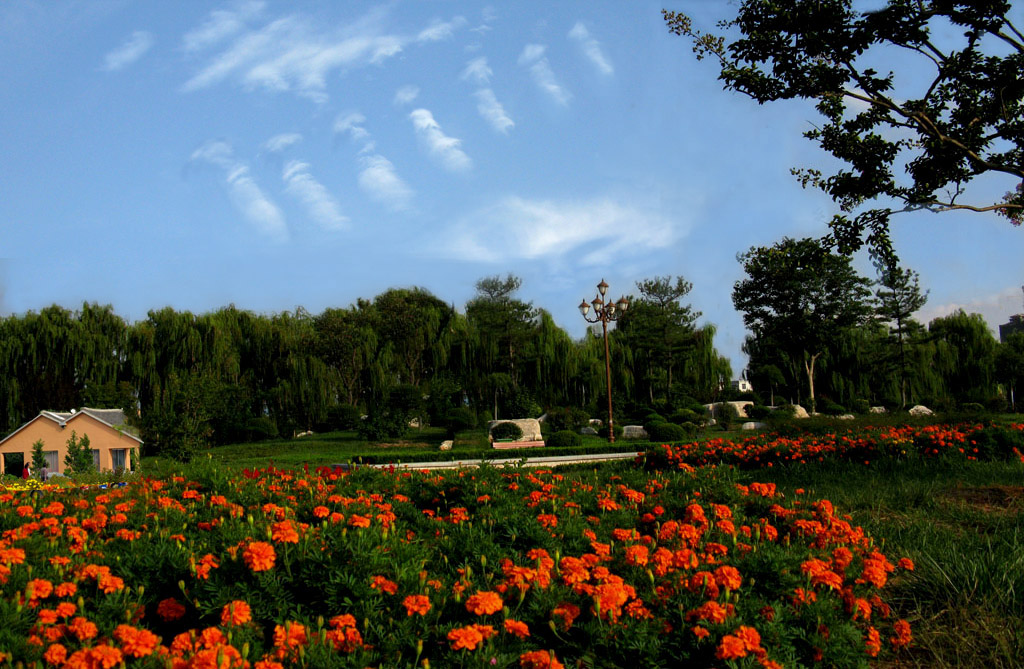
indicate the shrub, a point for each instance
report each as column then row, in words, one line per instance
column 759, row 412
column 650, row 425
column 261, row 428
column 520, row 404
column 382, row 423
column 666, row 432
column 830, row 408
column 784, row 412
column 564, row 439
column 603, row 431
column 506, row 430
column 997, row 404
column 726, row 415
column 860, row 406
column 972, row 409
column 344, row 417
column 681, row 416
column 457, row 420
column 566, row 418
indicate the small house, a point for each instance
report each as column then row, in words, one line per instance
column 112, row 442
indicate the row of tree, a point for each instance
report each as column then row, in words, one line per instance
column 233, row 375
column 188, row 380
column 817, row 330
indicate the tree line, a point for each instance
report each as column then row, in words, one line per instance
column 819, row 336
column 189, row 380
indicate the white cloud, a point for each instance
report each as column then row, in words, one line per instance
column 319, row 203
column 296, row 54
column 137, row 45
column 352, row 124
column 598, row 231
column 243, row 190
column 445, row 148
column 591, row 48
column 406, row 94
column 380, row 181
column 279, row 143
column 534, row 58
column 221, row 25
column 441, row 30
column 477, row 72
column 996, row 308
column 492, row 111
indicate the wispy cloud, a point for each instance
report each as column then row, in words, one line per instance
column 492, row 111
column 134, row 48
column 381, row 182
column 221, row 25
column 406, row 94
column 445, row 148
column 318, row 202
column 996, row 308
column 595, row 230
column 377, row 176
column 279, row 143
column 591, row 48
column 534, row 58
column 296, row 54
column 243, row 190
column 440, row 30
column 477, row 71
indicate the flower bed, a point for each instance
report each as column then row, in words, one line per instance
column 470, row 568
column 965, row 441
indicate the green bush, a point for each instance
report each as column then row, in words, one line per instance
column 506, row 430
column 830, row 408
column 344, row 417
column 603, row 431
column 458, row 420
column 666, row 432
column 261, row 428
column 566, row 418
column 520, row 404
column 860, row 406
column 681, row 416
column 650, row 425
column 759, row 412
column 564, row 439
column 726, row 415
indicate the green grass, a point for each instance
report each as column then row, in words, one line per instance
column 962, row 525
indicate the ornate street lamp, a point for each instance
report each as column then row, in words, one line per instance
column 603, row 313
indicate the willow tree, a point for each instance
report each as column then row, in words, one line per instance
column 964, row 356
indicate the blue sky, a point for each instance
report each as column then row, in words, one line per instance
column 284, row 154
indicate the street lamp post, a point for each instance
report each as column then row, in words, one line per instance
column 603, row 313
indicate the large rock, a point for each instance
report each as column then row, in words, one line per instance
column 447, row 444
column 845, row 416
column 752, row 425
column 588, row 430
column 529, row 426
column 920, row 410
column 800, row 412
column 876, row 410
column 634, row 432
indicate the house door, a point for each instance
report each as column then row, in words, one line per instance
column 14, row 463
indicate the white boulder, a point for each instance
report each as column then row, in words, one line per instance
column 921, row 410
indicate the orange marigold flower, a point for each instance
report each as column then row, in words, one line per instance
column 873, row 642
column 700, row 632
column 731, row 647
column 637, row 555
column 170, row 609
column 711, row 611
column 66, row 609
column 906, row 563
column 290, row 635
column 484, row 602
column 469, row 637
column 567, row 612
column 47, row 616
column 416, row 604
column 384, row 585
column 110, row 584
column 321, row 512
column 728, row 577
column 268, row 664
column 539, row 659
column 136, row 642
column 356, row 520
column 55, row 654
column 83, row 629
column 284, row 532
column 903, row 636
column 38, row 588
column 517, row 628
column 259, row 556
column 235, row 613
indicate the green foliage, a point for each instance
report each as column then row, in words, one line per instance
column 726, row 415
column 668, row 432
column 506, row 430
column 520, row 404
column 920, row 146
column 566, row 418
column 603, row 431
column 78, row 459
column 830, row 408
column 860, row 406
column 343, row 417
column 38, row 458
column 759, row 412
column 459, row 420
column 564, row 439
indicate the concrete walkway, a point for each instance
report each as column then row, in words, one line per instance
column 546, row 461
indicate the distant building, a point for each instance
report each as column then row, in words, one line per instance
column 742, row 385
column 111, row 441
column 1015, row 325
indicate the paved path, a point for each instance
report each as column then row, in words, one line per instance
column 546, row 461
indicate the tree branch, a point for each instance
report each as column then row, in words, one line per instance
column 1015, row 43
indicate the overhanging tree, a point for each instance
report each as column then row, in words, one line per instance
column 903, row 146
column 801, row 298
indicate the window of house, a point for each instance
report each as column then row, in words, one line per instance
column 51, row 461
column 96, row 458
column 117, row 458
